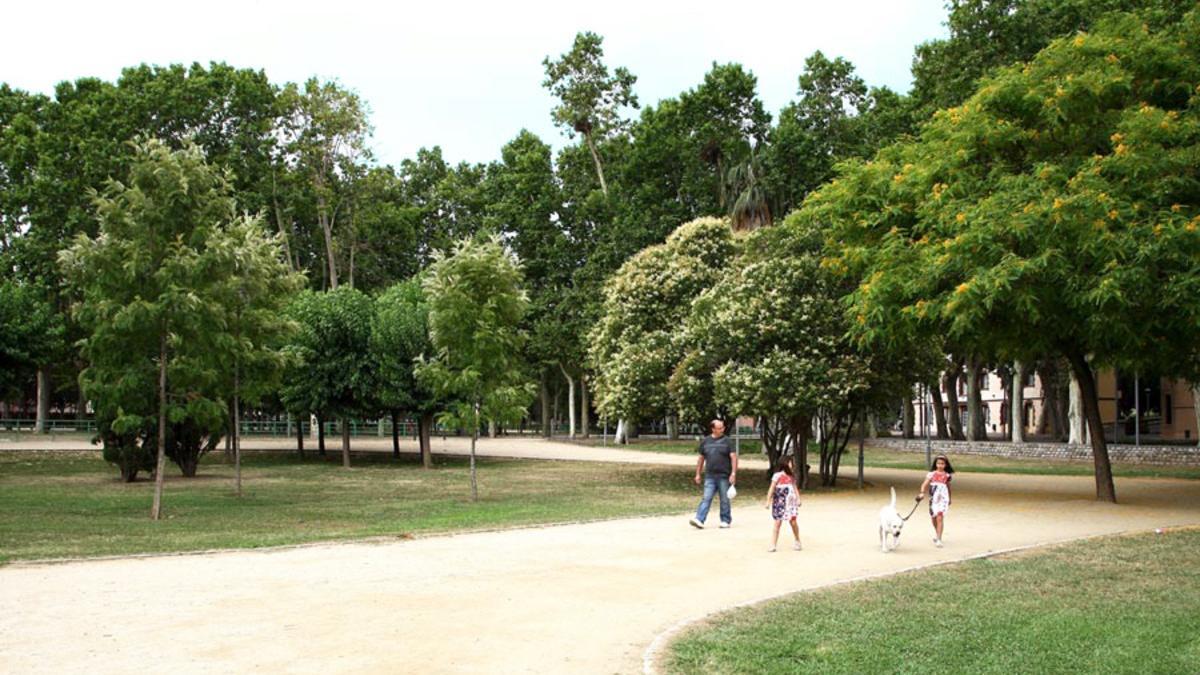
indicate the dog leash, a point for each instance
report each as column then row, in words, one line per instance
column 916, row 502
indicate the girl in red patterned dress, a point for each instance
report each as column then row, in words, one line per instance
column 937, row 484
column 783, row 499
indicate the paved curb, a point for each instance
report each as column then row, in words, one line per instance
column 653, row 654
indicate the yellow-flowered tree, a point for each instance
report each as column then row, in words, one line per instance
column 1056, row 212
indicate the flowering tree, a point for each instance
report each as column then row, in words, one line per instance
column 638, row 342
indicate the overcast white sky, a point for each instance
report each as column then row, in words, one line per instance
column 464, row 75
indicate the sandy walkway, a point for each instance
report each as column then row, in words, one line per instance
column 585, row 598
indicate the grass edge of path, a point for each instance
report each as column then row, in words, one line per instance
column 376, row 540
column 655, row 655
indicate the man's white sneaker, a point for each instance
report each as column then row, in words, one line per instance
column 724, row 526
column 937, row 543
column 796, row 546
column 696, row 524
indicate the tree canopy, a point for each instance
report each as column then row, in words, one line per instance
column 1054, row 212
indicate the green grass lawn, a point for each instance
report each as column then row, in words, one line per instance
column 891, row 459
column 1115, row 605
column 66, row 504
column 876, row 457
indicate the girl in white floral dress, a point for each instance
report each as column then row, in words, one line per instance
column 783, row 499
column 937, row 485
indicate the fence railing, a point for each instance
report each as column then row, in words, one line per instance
column 52, row 425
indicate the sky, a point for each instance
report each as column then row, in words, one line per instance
column 465, row 75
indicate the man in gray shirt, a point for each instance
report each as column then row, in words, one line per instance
column 717, row 452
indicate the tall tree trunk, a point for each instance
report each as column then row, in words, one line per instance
column 300, row 436
column 621, row 436
column 672, row 428
column 570, row 401
column 491, row 428
column 345, row 422
column 474, row 440
column 939, row 411
column 862, row 420
column 353, row 244
column 798, row 430
column 906, row 417
column 1017, row 403
column 237, row 431
column 229, row 436
column 954, row 420
column 975, row 428
column 544, row 392
column 326, row 221
column 1196, row 409
column 395, row 435
column 1105, row 491
column 585, row 415
column 1076, row 417
column 287, row 249
column 321, row 436
column 596, row 158
column 160, row 465
column 424, row 432
column 42, row 424
column 80, row 407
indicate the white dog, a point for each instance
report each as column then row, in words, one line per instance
column 890, row 524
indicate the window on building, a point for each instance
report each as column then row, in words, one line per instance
column 1169, row 411
column 1031, row 379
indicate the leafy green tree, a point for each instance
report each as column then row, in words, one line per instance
column 476, row 306
column 769, row 339
column 987, row 34
column 590, row 98
column 449, row 202
column 30, row 332
column 636, row 344
column 148, row 299
column 836, row 117
column 399, row 338
column 254, row 285
column 1053, row 213
column 326, row 128
column 384, row 246
column 332, row 369
column 526, row 209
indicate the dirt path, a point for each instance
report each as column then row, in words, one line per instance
column 584, row 598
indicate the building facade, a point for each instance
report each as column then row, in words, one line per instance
column 1166, row 407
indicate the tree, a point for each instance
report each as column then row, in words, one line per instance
column 332, row 369
column 383, row 246
column 988, row 34
column 399, row 338
column 636, row 345
column 326, row 130
column 476, row 305
column 590, row 99
column 31, row 334
column 255, row 284
column 1054, row 213
column 772, row 333
column 525, row 207
column 147, row 286
column 836, row 117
